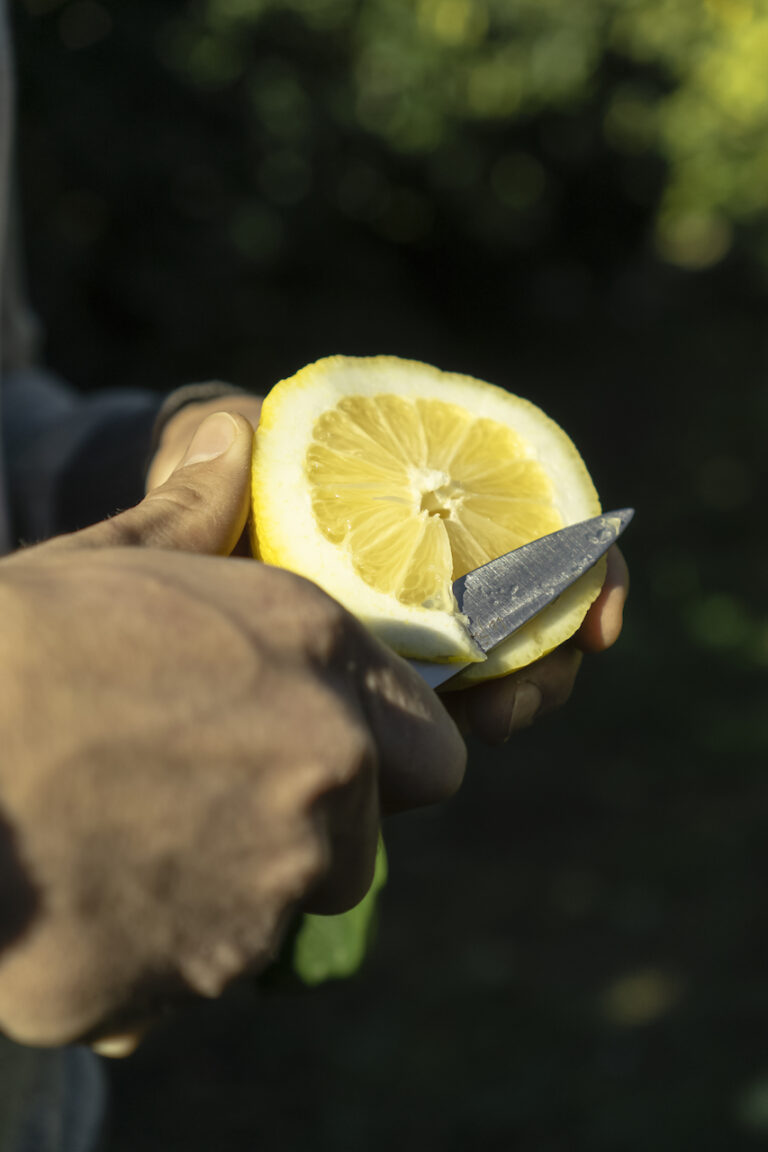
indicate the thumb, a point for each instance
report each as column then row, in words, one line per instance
column 201, row 507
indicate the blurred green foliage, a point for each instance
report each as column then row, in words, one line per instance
column 421, row 74
column 334, row 947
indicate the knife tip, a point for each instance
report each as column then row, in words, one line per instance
column 623, row 515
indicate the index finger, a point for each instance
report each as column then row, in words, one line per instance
column 602, row 624
column 422, row 757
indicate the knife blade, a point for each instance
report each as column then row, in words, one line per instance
column 501, row 596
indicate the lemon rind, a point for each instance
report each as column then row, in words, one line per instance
column 285, row 533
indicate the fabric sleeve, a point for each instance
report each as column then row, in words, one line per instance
column 72, row 458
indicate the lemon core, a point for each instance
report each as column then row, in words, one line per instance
column 418, row 493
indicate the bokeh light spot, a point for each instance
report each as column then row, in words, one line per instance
column 751, row 1105
column 719, row 622
column 454, row 21
column 695, row 240
column 640, row 998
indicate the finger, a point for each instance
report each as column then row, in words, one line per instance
column 202, row 506
column 181, row 428
column 422, row 757
column 602, row 624
column 495, row 710
column 353, row 834
column 119, row 1045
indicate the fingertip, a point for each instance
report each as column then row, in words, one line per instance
column 215, row 436
column 617, row 574
column 120, row 1045
column 603, row 623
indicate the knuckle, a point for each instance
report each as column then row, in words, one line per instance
column 331, row 622
column 161, row 518
column 331, row 632
column 340, row 644
column 344, row 746
column 354, row 755
column 180, row 496
column 50, row 1004
column 165, row 507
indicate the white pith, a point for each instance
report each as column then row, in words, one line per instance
column 290, row 537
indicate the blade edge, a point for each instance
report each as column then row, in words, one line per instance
column 503, row 595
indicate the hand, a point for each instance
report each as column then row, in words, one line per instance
column 494, row 711
column 193, row 748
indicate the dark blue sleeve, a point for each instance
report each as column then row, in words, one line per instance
column 71, row 458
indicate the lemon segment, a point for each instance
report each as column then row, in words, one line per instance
column 384, row 480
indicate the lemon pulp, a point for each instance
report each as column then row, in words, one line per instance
column 420, row 493
column 384, row 480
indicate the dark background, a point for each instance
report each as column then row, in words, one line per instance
column 571, row 954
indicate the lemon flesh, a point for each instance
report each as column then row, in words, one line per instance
column 384, row 480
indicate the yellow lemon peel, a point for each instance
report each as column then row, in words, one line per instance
column 383, row 480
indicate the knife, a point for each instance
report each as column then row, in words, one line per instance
column 504, row 594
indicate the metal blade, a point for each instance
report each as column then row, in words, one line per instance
column 506, row 593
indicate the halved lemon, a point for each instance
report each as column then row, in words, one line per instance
column 383, row 480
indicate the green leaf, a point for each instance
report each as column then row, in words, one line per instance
column 334, row 947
